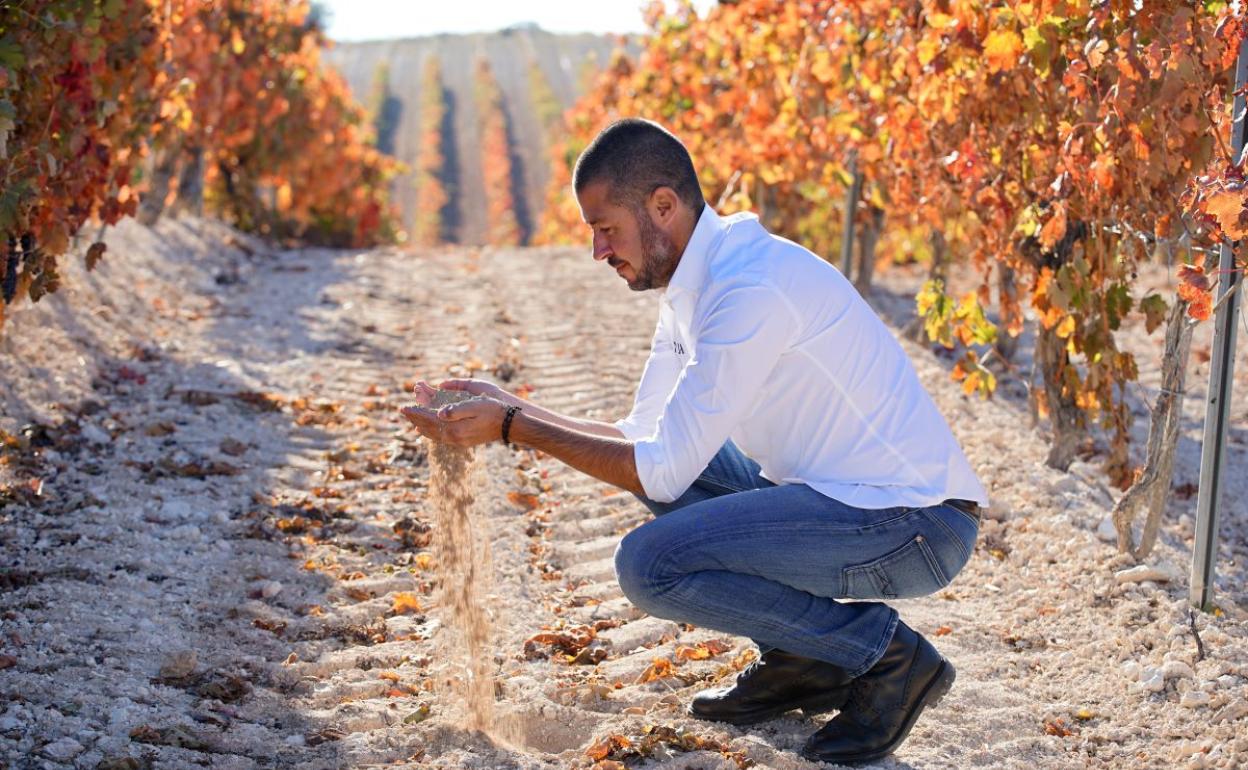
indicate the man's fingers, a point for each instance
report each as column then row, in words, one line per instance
column 423, row 392
column 454, row 384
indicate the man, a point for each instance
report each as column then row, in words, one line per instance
column 785, row 444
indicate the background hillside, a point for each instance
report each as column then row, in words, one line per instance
column 387, row 76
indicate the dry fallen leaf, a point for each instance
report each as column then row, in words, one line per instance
column 524, row 500
column 405, row 602
column 602, row 748
column 700, row 651
column 659, row 668
column 943, row 631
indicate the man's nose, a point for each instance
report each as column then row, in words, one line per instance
column 601, row 249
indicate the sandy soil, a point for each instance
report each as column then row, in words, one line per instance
column 230, row 560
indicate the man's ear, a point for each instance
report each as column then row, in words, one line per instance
column 664, row 205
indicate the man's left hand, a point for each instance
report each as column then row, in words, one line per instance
column 466, row 424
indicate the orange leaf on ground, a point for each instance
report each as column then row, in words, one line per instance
column 659, row 668
column 406, row 602
column 943, row 631
column 523, row 500
column 700, row 651
column 602, row 748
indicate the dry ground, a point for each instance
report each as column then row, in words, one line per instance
column 229, row 563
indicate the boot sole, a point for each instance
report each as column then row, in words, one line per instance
column 815, row 704
column 932, row 695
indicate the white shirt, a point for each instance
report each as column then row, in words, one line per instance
column 761, row 341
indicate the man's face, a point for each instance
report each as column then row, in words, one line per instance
column 630, row 242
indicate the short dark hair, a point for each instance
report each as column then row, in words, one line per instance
column 636, row 157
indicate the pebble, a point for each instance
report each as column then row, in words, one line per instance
column 1066, row 485
column 1194, row 699
column 184, row 532
column 179, row 664
column 1106, row 531
column 1144, row 572
column 1152, row 680
column 1177, row 669
column 176, row 509
column 270, row 588
column 62, row 750
column 96, row 435
column 1131, row 670
column 1236, row 709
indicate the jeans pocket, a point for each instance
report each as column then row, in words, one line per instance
column 909, row 571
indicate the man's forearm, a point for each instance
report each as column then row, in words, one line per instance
column 606, row 458
column 594, row 427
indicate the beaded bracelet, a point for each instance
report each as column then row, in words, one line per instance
column 511, row 412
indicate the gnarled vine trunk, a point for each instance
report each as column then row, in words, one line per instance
column 869, row 237
column 1007, row 294
column 1152, row 487
column 1065, row 416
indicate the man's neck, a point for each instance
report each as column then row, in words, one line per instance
column 681, row 239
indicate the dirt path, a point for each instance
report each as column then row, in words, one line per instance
column 230, row 563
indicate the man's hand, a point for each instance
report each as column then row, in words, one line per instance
column 478, row 388
column 466, row 424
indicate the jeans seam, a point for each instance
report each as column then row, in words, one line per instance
column 891, row 520
column 965, row 552
column 937, row 571
column 881, row 648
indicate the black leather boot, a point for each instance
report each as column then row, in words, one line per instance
column 884, row 702
column 777, row 682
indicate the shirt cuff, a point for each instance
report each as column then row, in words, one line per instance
column 631, row 430
column 649, row 460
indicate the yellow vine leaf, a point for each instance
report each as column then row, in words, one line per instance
column 1002, row 49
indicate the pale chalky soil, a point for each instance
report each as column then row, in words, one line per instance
column 179, row 517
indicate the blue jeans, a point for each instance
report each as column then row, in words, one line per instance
column 739, row 554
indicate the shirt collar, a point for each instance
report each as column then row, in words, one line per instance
column 691, row 270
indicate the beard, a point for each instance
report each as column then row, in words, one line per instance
column 658, row 255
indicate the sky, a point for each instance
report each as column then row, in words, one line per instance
column 352, row 20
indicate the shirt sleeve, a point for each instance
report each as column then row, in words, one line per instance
column 745, row 332
column 657, row 380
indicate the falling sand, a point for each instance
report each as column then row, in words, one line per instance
column 462, row 550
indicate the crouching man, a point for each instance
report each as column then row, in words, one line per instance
column 784, row 443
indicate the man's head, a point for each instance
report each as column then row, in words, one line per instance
column 638, row 191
